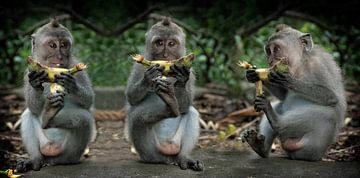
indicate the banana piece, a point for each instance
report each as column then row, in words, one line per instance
column 34, row 65
column 263, row 73
column 185, row 60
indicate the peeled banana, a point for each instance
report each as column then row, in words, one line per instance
column 185, row 60
column 263, row 73
column 34, row 65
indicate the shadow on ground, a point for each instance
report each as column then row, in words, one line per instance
column 218, row 164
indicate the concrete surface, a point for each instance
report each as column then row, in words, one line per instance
column 218, row 164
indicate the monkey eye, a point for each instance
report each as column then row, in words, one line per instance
column 276, row 49
column 52, row 45
column 159, row 43
column 171, row 43
column 64, row 45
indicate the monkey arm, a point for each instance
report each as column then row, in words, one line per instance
column 84, row 95
column 34, row 99
column 278, row 91
column 314, row 92
column 137, row 87
column 185, row 94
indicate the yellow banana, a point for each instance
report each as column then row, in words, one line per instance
column 34, row 65
column 263, row 73
column 185, row 60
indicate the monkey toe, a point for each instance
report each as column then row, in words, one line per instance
column 196, row 165
column 23, row 166
column 51, row 149
column 256, row 142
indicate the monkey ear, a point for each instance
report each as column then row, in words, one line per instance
column 307, row 42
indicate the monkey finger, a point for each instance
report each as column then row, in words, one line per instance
column 36, row 74
column 161, row 88
column 57, row 104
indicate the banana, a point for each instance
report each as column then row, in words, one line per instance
column 263, row 73
column 185, row 60
column 34, row 65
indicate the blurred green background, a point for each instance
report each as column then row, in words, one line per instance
column 219, row 33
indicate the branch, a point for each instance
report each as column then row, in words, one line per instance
column 77, row 17
column 255, row 27
column 318, row 22
column 33, row 28
column 135, row 20
column 301, row 16
column 103, row 32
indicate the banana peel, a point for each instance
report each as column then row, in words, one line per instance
column 263, row 73
column 34, row 65
column 10, row 173
column 185, row 60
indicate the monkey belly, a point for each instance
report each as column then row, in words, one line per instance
column 292, row 144
column 51, row 149
column 54, row 144
column 167, row 136
column 168, row 148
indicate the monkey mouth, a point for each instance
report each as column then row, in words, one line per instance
column 55, row 65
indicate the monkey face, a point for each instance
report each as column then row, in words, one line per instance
column 53, row 51
column 165, row 41
column 166, row 48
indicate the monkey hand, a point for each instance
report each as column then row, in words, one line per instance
column 262, row 104
column 281, row 79
column 36, row 79
column 67, row 81
column 56, row 100
column 165, row 85
column 152, row 73
column 181, row 73
column 252, row 76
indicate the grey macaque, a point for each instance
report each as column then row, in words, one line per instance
column 158, row 135
column 312, row 103
column 65, row 137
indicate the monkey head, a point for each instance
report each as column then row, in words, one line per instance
column 165, row 40
column 289, row 45
column 51, row 45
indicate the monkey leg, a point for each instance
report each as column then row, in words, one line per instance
column 171, row 101
column 189, row 138
column 261, row 142
column 32, row 137
column 308, row 131
column 72, row 127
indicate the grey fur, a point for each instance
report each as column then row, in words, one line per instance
column 150, row 119
column 72, row 126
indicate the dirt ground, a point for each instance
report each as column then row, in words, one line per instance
column 218, row 111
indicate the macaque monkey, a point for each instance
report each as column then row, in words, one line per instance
column 64, row 138
column 158, row 134
column 312, row 103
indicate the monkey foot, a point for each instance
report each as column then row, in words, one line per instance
column 51, row 149
column 292, row 144
column 169, row 148
column 195, row 165
column 28, row 165
column 256, row 142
